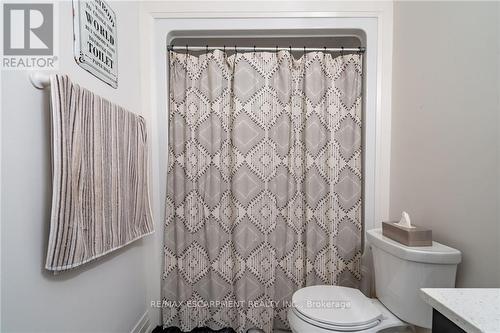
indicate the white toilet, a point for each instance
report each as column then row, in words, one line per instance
column 400, row 272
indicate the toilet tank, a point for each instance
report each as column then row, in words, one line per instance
column 400, row 272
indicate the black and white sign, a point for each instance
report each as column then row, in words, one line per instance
column 94, row 24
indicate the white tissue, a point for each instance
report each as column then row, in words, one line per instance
column 405, row 221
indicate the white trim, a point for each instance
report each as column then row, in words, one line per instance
column 176, row 12
column 275, row 14
column 142, row 325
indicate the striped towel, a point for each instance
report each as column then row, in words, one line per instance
column 100, row 199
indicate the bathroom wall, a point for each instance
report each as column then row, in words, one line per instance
column 108, row 295
column 445, row 128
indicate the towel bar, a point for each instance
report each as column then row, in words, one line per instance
column 39, row 80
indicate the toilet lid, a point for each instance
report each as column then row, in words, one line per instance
column 336, row 306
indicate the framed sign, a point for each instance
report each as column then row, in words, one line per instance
column 94, row 34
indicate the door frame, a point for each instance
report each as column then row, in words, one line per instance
column 159, row 18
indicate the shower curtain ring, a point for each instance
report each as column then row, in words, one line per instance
column 276, row 48
column 224, row 48
column 206, row 48
column 290, row 48
column 342, row 51
column 186, row 48
column 254, row 49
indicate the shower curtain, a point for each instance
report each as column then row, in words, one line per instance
column 264, row 184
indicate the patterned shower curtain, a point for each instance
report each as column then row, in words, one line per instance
column 264, row 184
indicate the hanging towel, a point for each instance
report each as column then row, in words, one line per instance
column 100, row 198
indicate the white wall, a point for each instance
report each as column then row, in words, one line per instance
column 445, row 128
column 108, row 295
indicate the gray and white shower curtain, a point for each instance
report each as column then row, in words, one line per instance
column 264, row 184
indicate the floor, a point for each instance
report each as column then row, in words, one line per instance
column 159, row 329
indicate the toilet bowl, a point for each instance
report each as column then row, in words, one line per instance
column 400, row 272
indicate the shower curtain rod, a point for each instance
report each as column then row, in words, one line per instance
column 265, row 48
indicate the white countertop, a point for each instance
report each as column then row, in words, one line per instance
column 472, row 309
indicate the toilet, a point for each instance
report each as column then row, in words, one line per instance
column 400, row 271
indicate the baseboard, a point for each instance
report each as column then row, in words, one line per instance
column 143, row 325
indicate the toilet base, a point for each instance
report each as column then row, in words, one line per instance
column 390, row 323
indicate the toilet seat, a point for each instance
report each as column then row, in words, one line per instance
column 335, row 308
column 388, row 323
column 334, row 328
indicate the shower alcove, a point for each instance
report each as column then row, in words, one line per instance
column 302, row 39
column 312, row 30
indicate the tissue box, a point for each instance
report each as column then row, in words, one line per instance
column 417, row 236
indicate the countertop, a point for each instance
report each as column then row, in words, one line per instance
column 472, row 309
